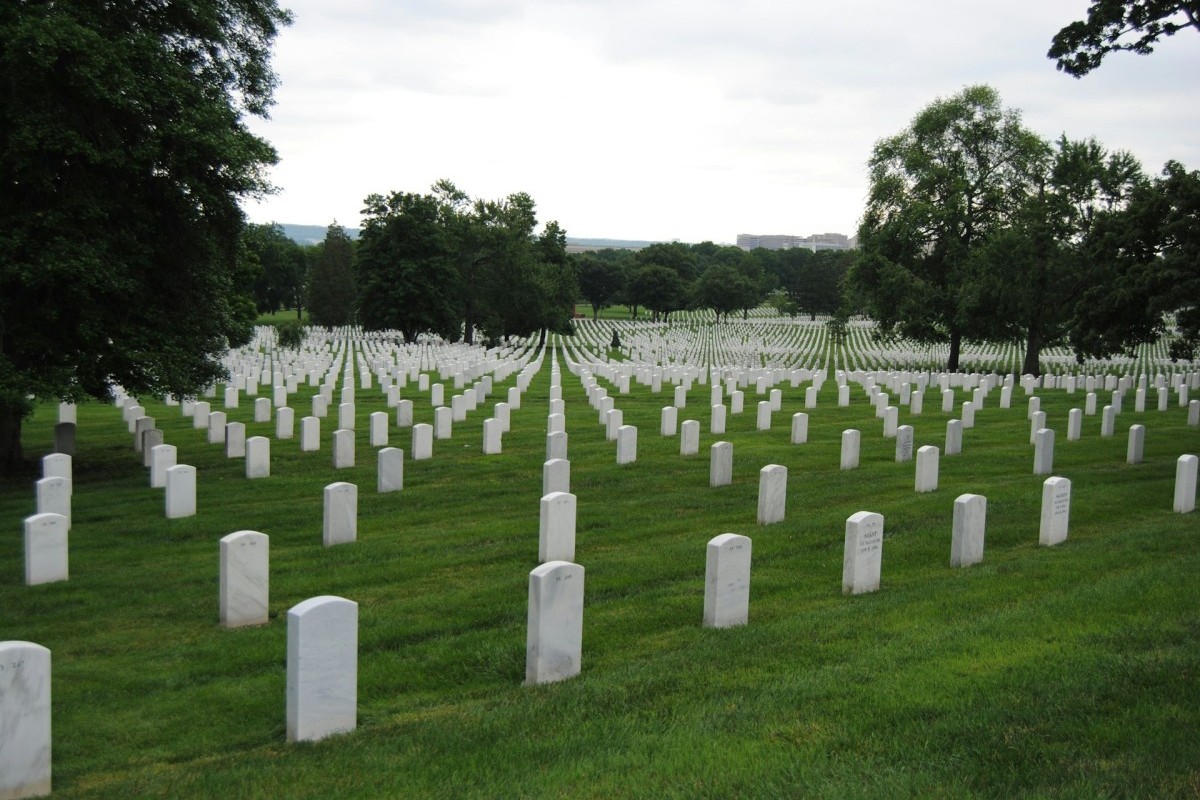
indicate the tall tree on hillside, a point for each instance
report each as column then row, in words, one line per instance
column 1132, row 25
column 331, row 285
column 600, row 280
column 405, row 270
column 281, row 268
column 939, row 189
column 124, row 153
column 1029, row 280
column 1150, row 250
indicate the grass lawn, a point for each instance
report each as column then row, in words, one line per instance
column 1071, row 671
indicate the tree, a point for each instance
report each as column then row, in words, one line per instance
column 1150, row 250
column 331, row 286
column 123, row 156
column 405, row 269
column 1133, row 25
column 1028, row 280
column 600, row 280
column 280, row 268
column 723, row 289
column 938, row 190
column 659, row 289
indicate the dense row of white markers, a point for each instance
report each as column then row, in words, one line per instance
column 762, row 353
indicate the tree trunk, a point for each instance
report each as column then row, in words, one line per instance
column 955, row 347
column 469, row 323
column 542, row 338
column 595, row 313
column 1033, row 353
column 12, row 458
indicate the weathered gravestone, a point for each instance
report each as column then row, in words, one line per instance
column 904, row 443
column 554, row 637
column 799, row 428
column 718, row 419
column 970, row 521
column 285, row 422
column 322, row 668
column 720, row 467
column 54, row 497
column 258, row 457
column 772, row 494
column 1185, row 484
column 863, row 553
column 556, row 527
column 389, row 470
column 343, row 449
column 556, row 476
column 1136, row 446
column 851, row 440
column 341, row 514
column 1043, row 452
column 244, row 582
column 46, row 556
column 235, row 440
column 727, row 581
column 180, row 497
column 626, row 444
column 953, row 437
column 162, row 458
column 689, row 438
column 422, row 441
column 927, row 469
column 1056, row 511
column 24, row 720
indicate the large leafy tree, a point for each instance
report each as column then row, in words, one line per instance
column 1132, row 25
column 1150, row 250
column 281, row 268
column 723, row 289
column 124, row 153
column 331, row 283
column 1029, row 280
column 600, row 280
column 405, row 268
column 938, row 190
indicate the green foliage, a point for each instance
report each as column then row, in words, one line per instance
column 123, row 154
column 290, row 334
column 1113, row 25
column 443, row 263
column 1150, row 249
column 331, row 285
column 957, row 175
column 601, row 280
column 660, row 289
column 280, row 268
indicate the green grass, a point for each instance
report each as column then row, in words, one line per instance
column 286, row 315
column 1071, row 671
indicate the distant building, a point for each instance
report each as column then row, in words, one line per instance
column 818, row 241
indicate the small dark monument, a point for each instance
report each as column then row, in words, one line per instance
column 64, row 438
column 616, row 340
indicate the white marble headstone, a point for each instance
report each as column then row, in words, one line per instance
column 727, row 581
column 244, row 583
column 554, row 637
column 343, row 448
column 927, row 469
column 1056, row 511
column 1185, row 484
column 851, row 440
column 720, row 467
column 45, row 549
column 258, row 457
column 389, row 470
column 970, row 522
column 556, row 527
column 25, row 720
column 322, row 668
column 422, row 441
column 863, row 554
column 341, row 513
column 772, row 494
column 689, row 437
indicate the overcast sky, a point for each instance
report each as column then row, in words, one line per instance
column 675, row 119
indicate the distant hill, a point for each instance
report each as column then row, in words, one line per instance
column 312, row 234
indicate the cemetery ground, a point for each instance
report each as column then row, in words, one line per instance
column 1066, row 671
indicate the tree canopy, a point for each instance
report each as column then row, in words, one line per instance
column 124, row 152
column 331, row 283
column 957, row 175
column 1131, row 25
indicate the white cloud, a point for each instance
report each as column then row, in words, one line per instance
column 664, row 119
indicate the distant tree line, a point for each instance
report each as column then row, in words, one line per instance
column 668, row 277
column 440, row 263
